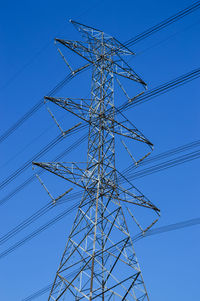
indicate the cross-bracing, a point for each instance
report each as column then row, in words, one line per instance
column 99, row 261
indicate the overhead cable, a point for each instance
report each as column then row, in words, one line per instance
column 190, row 9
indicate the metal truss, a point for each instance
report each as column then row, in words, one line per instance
column 99, row 261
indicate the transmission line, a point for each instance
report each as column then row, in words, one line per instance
column 172, row 227
column 34, row 217
column 32, row 177
column 129, row 43
column 159, row 167
column 164, row 155
column 34, row 109
column 174, row 18
column 122, row 177
column 161, row 89
column 26, row 223
column 39, row 52
column 126, row 172
column 43, row 151
column 43, row 227
column 51, row 168
column 162, row 166
column 28, row 163
column 39, row 230
column 156, row 231
column 148, row 95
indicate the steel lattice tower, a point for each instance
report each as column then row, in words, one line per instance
column 99, row 261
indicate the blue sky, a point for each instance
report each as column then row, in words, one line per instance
column 30, row 67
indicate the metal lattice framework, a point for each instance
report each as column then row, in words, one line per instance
column 99, row 261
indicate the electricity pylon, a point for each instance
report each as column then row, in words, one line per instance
column 99, row 261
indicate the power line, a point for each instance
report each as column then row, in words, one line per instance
column 43, row 151
column 169, row 37
column 174, row 18
column 181, row 80
column 28, row 163
column 165, row 154
column 32, row 177
column 39, row 230
column 172, row 227
column 34, row 109
column 168, row 163
column 164, row 88
column 43, row 290
column 39, row 293
column 45, row 208
column 103, row 117
column 42, row 50
column 163, row 166
column 156, row 231
column 122, row 177
column 161, row 89
column 37, row 106
column 35, row 216
column 126, row 172
column 25, row 223
column 129, row 43
column 27, row 64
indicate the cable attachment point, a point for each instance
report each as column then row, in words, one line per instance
column 54, row 200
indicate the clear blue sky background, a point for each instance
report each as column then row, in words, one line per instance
column 31, row 66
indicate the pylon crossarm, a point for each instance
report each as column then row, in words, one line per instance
column 120, row 67
column 79, row 108
column 139, row 202
column 71, row 172
column 134, row 196
column 84, row 112
column 123, row 69
column 79, row 48
column 133, row 192
column 82, row 49
column 93, row 33
column 88, row 30
column 79, row 69
column 133, row 133
column 129, row 125
column 122, row 49
column 54, row 200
